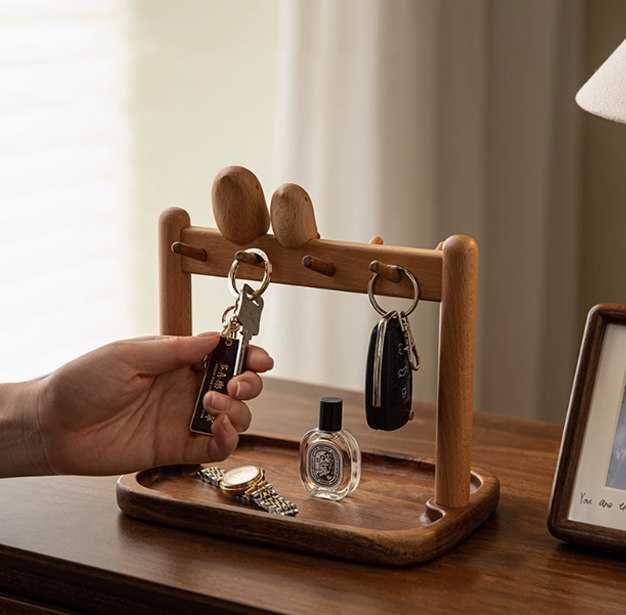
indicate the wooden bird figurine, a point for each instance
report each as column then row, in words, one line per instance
column 293, row 219
column 239, row 205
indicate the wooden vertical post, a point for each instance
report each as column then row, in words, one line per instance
column 174, row 284
column 456, row 371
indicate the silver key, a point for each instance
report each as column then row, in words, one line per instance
column 411, row 348
column 248, row 315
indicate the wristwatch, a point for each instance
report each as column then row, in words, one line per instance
column 248, row 482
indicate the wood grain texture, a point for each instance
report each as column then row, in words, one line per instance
column 456, row 371
column 239, row 205
column 64, row 542
column 249, row 257
column 174, row 283
column 351, row 260
column 577, row 416
column 385, row 271
column 9, row 606
column 293, row 218
column 183, row 249
column 310, row 262
column 389, row 520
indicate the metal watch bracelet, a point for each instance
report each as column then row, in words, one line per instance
column 262, row 493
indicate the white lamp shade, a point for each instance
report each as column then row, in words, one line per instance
column 605, row 93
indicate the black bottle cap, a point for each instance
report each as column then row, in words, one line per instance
column 331, row 410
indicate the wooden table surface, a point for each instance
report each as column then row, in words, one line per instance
column 66, row 548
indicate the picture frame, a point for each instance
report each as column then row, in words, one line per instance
column 588, row 502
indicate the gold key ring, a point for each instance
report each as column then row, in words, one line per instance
column 266, row 277
column 416, row 289
column 227, row 311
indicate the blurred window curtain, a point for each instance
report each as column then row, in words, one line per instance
column 418, row 119
column 63, row 209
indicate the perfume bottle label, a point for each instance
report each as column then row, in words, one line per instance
column 325, row 464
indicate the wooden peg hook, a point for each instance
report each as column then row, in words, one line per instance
column 184, row 249
column 316, row 264
column 385, row 271
column 248, row 257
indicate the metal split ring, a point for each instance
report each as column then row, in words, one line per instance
column 416, row 289
column 266, row 278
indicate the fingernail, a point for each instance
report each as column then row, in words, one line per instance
column 227, row 425
column 244, row 389
column 206, row 334
column 217, row 401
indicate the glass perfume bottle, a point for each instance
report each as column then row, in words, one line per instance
column 330, row 459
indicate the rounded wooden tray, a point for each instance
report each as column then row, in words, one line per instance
column 390, row 519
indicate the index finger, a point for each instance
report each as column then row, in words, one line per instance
column 258, row 360
column 163, row 353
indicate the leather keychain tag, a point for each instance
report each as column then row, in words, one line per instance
column 219, row 371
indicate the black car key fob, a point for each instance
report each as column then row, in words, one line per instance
column 389, row 378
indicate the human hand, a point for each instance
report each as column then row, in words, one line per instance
column 127, row 407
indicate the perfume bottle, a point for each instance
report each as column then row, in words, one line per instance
column 330, row 459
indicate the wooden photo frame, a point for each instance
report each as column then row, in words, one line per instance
column 588, row 503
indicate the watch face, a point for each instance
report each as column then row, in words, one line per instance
column 240, row 476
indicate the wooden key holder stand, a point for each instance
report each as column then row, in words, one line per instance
column 441, row 501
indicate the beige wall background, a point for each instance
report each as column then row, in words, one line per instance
column 603, row 177
column 203, row 95
column 202, row 89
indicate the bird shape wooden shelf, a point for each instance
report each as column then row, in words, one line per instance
column 442, row 500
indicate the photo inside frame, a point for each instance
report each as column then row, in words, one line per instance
column 616, row 476
column 598, row 494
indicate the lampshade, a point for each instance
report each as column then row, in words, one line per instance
column 605, row 92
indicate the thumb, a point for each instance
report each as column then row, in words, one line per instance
column 164, row 353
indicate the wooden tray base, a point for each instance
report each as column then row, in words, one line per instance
column 390, row 519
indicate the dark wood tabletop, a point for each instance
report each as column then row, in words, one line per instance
column 65, row 547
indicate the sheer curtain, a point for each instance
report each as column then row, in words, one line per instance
column 343, row 95
column 63, row 182
column 415, row 120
